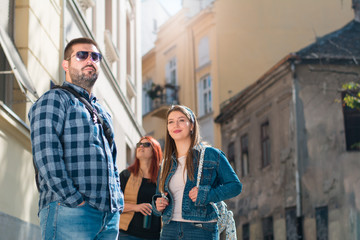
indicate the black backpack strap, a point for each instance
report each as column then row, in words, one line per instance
column 94, row 114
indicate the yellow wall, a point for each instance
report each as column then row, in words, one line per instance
column 246, row 39
column 252, row 36
column 37, row 38
column 17, row 185
column 179, row 38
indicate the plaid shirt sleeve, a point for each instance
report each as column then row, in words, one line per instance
column 47, row 118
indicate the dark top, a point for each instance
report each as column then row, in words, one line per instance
column 146, row 191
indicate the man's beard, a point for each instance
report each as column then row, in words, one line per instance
column 83, row 79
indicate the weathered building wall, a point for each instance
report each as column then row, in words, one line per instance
column 309, row 137
column 267, row 190
column 329, row 173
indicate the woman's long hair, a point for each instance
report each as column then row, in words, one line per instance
column 155, row 161
column 170, row 146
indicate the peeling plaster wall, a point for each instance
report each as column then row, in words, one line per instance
column 329, row 174
column 267, row 191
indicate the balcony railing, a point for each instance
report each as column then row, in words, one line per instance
column 163, row 96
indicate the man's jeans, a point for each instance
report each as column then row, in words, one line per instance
column 58, row 222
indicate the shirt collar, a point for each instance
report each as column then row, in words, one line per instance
column 82, row 91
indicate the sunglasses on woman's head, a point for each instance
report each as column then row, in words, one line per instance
column 145, row 144
column 83, row 55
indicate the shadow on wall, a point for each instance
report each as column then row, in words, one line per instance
column 19, row 197
column 16, row 229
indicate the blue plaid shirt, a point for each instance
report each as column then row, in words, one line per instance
column 71, row 153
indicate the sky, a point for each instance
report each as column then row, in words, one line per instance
column 172, row 6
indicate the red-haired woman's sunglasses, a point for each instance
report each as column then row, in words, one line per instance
column 144, row 144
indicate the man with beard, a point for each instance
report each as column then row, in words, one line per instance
column 74, row 159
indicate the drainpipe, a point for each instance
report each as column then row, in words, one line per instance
column 194, row 66
column 297, row 158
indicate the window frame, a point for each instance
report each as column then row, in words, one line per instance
column 172, row 80
column 203, row 51
column 268, row 228
column 147, row 101
column 322, row 223
column 245, row 167
column 291, row 223
column 231, row 154
column 205, row 95
column 351, row 126
column 265, row 144
column 246, row 231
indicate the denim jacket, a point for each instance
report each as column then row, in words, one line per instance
column 218, row 182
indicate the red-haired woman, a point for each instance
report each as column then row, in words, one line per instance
column 138, row 183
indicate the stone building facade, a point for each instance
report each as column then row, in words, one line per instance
column 212, row 49
column 33, row 35
column 289, row 138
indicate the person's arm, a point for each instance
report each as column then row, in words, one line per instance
column 157, row 209
column 144, row 208
column 228, row 185
column 47, row 117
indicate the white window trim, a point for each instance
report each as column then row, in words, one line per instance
column 111, row 52
column 18, row 68
column 201, row 93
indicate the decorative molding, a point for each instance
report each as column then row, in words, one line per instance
column 85, row 4
column 130, row 88
column 17, row 128
column 78, row 17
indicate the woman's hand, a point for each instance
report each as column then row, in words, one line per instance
column 161, row 203
column 144, row 208
column 193, row 193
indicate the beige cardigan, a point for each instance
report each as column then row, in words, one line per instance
column 130, row 196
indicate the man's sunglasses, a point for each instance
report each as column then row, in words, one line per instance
column 83, row 55
column 145, row 144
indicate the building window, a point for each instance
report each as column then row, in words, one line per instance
column 16, row 87
column 321, row 214
column 352, row 127
column 6, row 81
column 128, row 46
column 146, row 99
column 265, row 144
column 268, row 228
column 291, row 226
column 205, row 95
column 246, row 231
column 171, row 81
column 7, row 78
column 244, row 155
column 203, row 50
column 108, row 15
column 231, row 154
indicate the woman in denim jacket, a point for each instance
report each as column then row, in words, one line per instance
column 185, row 209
